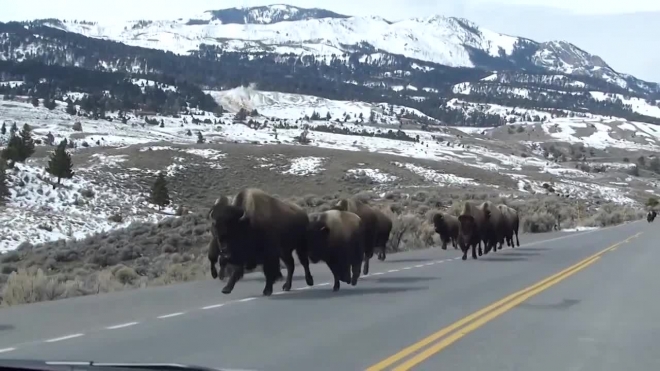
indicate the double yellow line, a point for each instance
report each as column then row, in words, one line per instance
column 481, row 317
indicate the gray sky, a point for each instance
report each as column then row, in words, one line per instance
column 624, row 33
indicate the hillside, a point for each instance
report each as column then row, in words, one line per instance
column 568, row 149
column 424, row 64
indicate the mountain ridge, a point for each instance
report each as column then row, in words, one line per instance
column 282, row 29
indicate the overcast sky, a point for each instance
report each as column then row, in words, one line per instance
column 623, row 32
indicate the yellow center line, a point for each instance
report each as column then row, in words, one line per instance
column 382, row 365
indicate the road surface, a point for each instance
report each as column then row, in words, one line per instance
column 563, row 301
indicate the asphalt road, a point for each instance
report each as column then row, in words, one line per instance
column 410, row 312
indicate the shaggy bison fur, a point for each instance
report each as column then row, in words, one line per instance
column 370, row 224
column 259, row 229
column 337, row 238
column 512, row 224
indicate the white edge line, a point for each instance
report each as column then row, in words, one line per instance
column 376, row 274
column 419, row 265
column 170, row 315
column 406, row 268
column 213, row 306
column 64, row 338
column 324, row 284
column 246, row 299
column 121, row 325
column 5, row 350
column 392, row 270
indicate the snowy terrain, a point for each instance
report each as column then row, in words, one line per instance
column 82, row 205
column 328, row 36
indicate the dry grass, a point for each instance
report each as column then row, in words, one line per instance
column 174, row 250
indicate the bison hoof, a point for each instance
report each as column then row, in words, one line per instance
column 335, row 288
column 226, row 290
column 309, row 280
column 381, row 257
column 286, row 286
column 268, row 291
column 464, row 257
column 214, row 274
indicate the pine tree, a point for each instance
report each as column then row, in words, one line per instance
column 4, row 188
column 60, row 164
column 200, row 137
column 13, row 129
column 3, row 130
column 27, row 143
column 13, row 150
column 159, row 193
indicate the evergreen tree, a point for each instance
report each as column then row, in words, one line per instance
column 71, row 108
column 60, row 164
column 200, row 137
column 13, row 129
column 4, row 188
column 159, row 193
column 13, row 150
column 26, row 148
column 3, row 130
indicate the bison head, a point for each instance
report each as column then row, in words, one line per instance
column 468, row 224
column 317, row 240
column 227, row 222
column 439, row 222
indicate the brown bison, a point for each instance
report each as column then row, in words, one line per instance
column 259, row 229
column 483, row 223
column 370, row 224
column 447, row 226
column 384, row 228
column 512, row 224
column 337, row 238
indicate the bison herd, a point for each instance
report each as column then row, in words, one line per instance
column 254, row 228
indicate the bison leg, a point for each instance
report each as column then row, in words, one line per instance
column 474, row 251
column 214, row 270
column 214, row 256
column 382, row 255
column 365, row 270
column 287, row 257
column 236, row 274
column 336, row 275
column 272, row 273
column 453, row 243
column 356, row 272
column 517, row 240
column 304, row 261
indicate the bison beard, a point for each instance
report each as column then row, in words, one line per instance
column 258, row 229
column 337, row 238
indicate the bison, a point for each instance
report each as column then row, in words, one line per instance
column 651, row 216
column 337, row 238
column 370, row 224
column 383, row 229
column 447, row 227
column 259, row 229
column 512, row 224
column 483, row 223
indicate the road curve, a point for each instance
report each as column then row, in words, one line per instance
column 595, row 315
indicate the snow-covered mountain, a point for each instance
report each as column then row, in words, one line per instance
column 284, row 29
